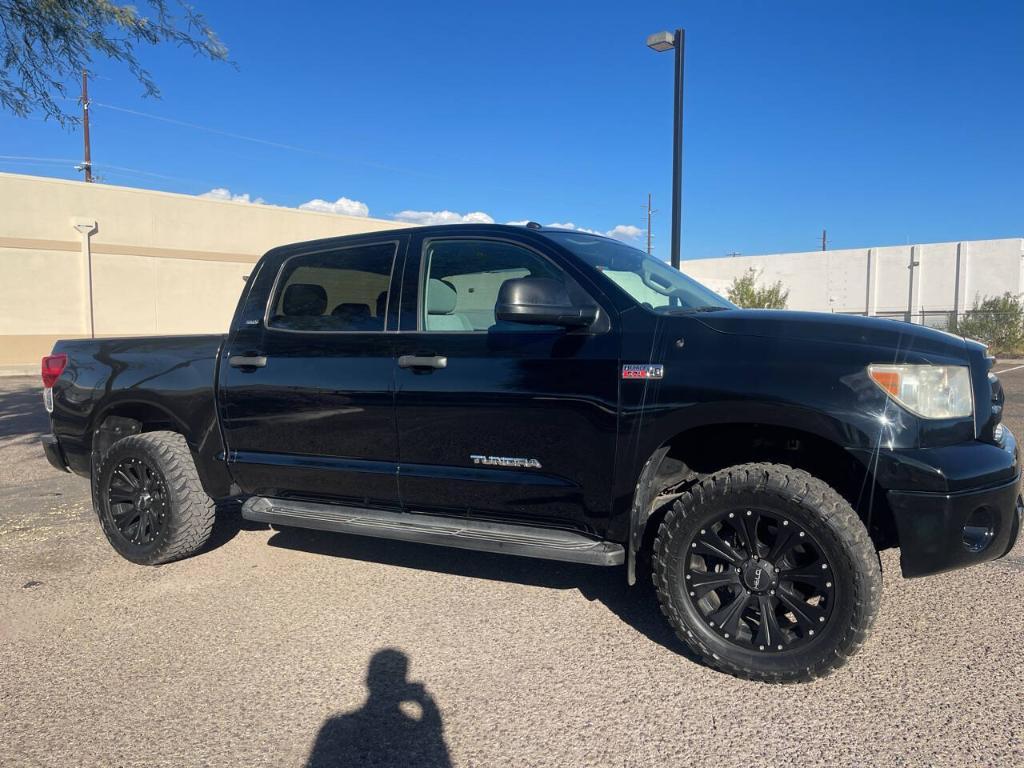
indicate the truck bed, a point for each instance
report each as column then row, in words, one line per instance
column 172, row 377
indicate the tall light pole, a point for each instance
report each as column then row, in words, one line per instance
column 666, row 41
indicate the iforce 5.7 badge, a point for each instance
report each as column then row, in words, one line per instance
column 649, row 371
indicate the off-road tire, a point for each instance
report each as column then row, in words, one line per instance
column 188, row 515
column 824, row 515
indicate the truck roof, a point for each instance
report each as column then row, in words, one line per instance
column 440, row 228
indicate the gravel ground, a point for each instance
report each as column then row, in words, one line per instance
column 293, row 648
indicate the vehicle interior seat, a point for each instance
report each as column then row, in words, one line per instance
column 442, row 299
column 302, row 307
column 356, row 317
column 304, row 300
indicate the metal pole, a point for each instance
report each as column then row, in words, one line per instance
column 648, row 223
column 87, row 162
column 86, row 228
column 677, row 150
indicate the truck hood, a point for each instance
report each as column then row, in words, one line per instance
column 843, row 329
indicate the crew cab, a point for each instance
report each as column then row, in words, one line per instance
column 556, row 394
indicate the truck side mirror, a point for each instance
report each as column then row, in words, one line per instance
column 540, row 301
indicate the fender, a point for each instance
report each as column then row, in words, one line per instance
column 127, row 401
column 673, row 421
column 668, row 427
column 641, row 510
column 652, row 427
column 202, row 435
column 169, row 380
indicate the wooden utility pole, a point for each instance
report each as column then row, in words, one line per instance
column 87, row 161
column 650, row 212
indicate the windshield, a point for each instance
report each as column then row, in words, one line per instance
column 650, row 282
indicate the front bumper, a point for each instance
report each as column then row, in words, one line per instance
column 932, row 525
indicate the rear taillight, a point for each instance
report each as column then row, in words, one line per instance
column 53, row 367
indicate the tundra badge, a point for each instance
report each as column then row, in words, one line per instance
column 505, row 461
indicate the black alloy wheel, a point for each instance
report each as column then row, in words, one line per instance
column 150, row 499
column 760, row 580
column 767, row 573
column 138, row 502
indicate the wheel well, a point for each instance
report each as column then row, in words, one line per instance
column 129, row 419
column 704, row 450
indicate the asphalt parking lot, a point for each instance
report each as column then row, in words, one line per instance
column 306, row 649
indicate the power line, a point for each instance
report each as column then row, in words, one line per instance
column 107, row 169
column 32, row 160
column 274, row 144
column 264, row 142
column 139, row 172
column 28, row 158
column 208, row 129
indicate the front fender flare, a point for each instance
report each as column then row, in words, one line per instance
column 641, row 510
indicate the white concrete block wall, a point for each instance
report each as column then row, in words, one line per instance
column 945, row 276
column 161, row 263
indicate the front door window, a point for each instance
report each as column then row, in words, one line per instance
column 462, row 278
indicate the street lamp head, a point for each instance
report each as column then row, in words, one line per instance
column 661, row 41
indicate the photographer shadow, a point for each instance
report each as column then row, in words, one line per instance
column 399, row 725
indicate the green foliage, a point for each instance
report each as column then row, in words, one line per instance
column 746, row 292
column 997, row 321
column 46, row 44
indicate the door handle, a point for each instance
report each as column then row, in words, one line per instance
column 248, row 361
column 422, row 361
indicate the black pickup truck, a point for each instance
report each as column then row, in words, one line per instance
column 555, row 394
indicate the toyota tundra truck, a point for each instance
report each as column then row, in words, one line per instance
column 554, row 394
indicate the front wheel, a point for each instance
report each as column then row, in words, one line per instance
column 149, row 499
column 767, row 573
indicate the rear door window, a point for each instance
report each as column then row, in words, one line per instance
column 344, row 290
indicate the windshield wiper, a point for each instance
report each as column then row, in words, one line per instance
column 704, row 308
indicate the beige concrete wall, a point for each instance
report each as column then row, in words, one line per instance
column 161, row 263
column 934, row 277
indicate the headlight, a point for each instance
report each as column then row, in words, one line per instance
column 930, row 391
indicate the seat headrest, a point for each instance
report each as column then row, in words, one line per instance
column 352, row 312
column 441, row 297
column 304, row 300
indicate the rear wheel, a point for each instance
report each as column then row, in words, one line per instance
column 767, row 573
column 149, row 499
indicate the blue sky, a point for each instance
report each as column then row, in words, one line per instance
column 886, row 122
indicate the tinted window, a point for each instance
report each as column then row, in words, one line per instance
column 462, row 279
column 343, row 290
column 650, row 282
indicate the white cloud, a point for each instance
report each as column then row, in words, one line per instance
column 342, row 205
column 570, row 225
column 443, row 217
column 522, row 223
column 347, row 207
column 223, row 193
column 563, row 225
column 624, row 232
column 619, row 231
